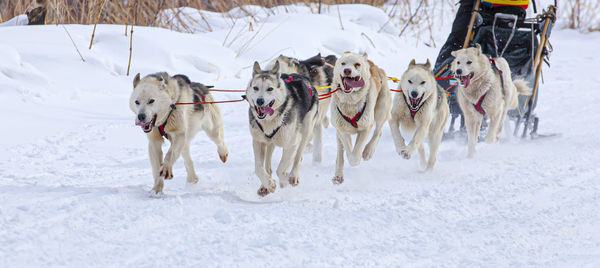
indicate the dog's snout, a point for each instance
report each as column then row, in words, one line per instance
column 414, row 94
column 142, row 117
column 260, row 101
column 347, row 71
column 459, row 71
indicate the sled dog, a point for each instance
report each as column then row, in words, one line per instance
column 420, row 109
column 485, row 87
column 153, row 103
column 283, row 111
column 362, row 101
column 320, row 72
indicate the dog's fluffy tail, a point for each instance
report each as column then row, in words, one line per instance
column 522, row 87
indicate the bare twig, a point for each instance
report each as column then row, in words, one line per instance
column 133, row 16
column 128, row 15
column 340, row 16
column 100, row 6
column 411, row 18
column 82, row 59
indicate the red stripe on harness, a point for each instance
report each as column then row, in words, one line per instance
column 478, row 105
column 494, row 63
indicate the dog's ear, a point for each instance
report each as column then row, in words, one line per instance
column 453, row 53
column 256, row 69
column 428, row 64
column 136, row 80
column 478, row 47
column 412, row 63
column 365, row 55
column 275, row 69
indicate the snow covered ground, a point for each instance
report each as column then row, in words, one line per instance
column 75, row 176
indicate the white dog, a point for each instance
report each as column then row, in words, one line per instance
column 362, row 101
column 420, row 109
column 283, row 111
column 153, row 102
column 485, row 88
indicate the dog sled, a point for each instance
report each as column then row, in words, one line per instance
column 524, row 43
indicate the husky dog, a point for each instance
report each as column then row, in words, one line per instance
column 153, row 102
column 485, row 88
column 320, row 72
column 421, row 109
column 283, row 110
column 362, row 101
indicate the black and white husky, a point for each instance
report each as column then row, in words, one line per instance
column 283, row 111
column 320, row 72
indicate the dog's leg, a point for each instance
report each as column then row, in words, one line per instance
column 306, row 137
column 318, row 143
column 217, row 136
column 339, row 162
column 495, row 126
column 189, row 164
column 435, row 138
column 380, row 119
column 287, row 157
column 155, row 152
column 177, row 142
column 422, row 129
column 473, row 124
column 269, row 159
column 267, row 184
column 422, row 156
column 396, row 135
column 359, row 145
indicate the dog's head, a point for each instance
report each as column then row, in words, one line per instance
column 351, row 71
column 467, row 62
column 151, row 99
column 266, row 91
column 418, row 83
column 314, row 68
column 287, row 65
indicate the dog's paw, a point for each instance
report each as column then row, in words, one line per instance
column 224, row 157
column 368, row 152
column 192, row 179
column 166, row 171
column 337, row 180
column 283, row 183
column 294, row 181
column 405, row 154
column 263, row 191
column 490, row 139
column 157, row 189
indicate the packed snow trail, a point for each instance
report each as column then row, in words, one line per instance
column 75, row 177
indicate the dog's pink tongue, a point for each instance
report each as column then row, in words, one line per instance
column 351, row 83
column 268, row 110
column 466, row 81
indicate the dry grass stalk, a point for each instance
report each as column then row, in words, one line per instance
column 133, row 19
column 100, row 6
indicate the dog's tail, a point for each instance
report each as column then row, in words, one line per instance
column 522, row 87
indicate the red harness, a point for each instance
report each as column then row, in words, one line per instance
column 354, row 120
column 478, row 105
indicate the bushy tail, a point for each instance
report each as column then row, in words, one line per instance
column 522, row 87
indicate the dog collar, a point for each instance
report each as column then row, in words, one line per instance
column 161, row 128
column 354, row 120
column 478, row 106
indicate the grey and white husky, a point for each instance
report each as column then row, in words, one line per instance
column 283, row 111
column 153, row 102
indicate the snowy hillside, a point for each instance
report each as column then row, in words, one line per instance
column 75, row 178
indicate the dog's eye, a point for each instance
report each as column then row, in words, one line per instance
column 357, row 65
column 458, row 62
column 270, row 89
column 469, row 62
column 423, row 83
column 255, row 88
column 343, row 63
column 137, row 102
column 313, row 70
column 151, row 101
column 410, row 81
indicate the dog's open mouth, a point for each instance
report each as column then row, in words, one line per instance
column 352, row 82
column 147, row 126
column 262, row 112
column 465, row 80
column 414, row 102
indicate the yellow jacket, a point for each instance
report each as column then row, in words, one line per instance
column 508, row 2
